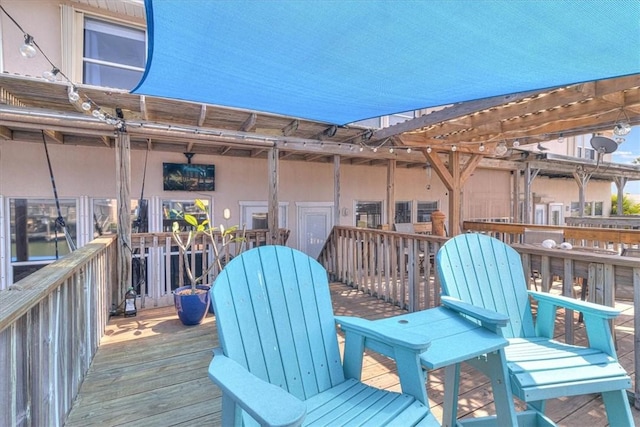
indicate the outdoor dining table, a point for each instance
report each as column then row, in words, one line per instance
column 455, row 339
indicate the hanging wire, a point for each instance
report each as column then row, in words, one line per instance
column 118, row 122
column 60, row 220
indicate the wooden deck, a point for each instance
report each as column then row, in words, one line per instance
column 152, row 370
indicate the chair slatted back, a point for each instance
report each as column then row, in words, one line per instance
column 488, row 273
column 275, row 318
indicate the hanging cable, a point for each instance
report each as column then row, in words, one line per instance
column 60, row 220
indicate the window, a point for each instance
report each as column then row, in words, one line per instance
column 174, row 210
column 586, row 153
column 597, row 208
column 368, row 214
column 34, row 228
column 105, row 217
column 255, row 215
column 113, row 54
column 590, row 208
column 36, row 237
column 425, row 209
column 403, row 213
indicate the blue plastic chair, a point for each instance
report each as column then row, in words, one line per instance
column 279, row 362
column 486, row 273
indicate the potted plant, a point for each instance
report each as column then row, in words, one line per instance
column 192, row 301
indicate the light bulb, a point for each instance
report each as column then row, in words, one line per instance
column 28, row 50
column 429, row 149
column 481, row 148
column 52, row 75
column 226, row 214
column 375, row 149
column 391, row 150
column 408, row 150
column 454, row 148
column 501, row 149
column 560, row 138
column 96, row 113
column 622, row 129
column 516, row 143
column 361, row 149
column 620, row 140
column 86, row 106
column 73, row 95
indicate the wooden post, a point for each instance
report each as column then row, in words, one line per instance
column 273, row 210
column 391, row 193
column 620, row 181
column 336, row 189
column 123, row 191
column 455, row 194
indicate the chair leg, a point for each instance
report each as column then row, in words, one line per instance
column 618, row 408
column 451, row 391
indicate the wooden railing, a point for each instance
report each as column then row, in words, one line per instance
column 161, row 270
column 625, row 221
column 395, row 267
column 387, row 265
column 589, row 237
column 51, row 323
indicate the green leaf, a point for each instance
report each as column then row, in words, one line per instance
column 191, row 220
column 200, row 205
column 176, row 227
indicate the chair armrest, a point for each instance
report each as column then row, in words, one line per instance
column 487, row 317
column 266, row 403
column 385, row 334
column 587, row 308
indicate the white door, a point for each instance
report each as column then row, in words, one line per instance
column 556, row 216
column 540, row 214
column 314, row 225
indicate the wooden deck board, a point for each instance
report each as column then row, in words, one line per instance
column 151, row 370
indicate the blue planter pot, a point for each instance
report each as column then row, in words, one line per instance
column 192, row 308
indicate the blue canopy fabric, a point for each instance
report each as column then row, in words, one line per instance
column 345, row 60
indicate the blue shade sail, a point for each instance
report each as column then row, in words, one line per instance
column 343, row 61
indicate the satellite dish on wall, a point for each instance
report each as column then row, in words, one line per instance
column 603, row 145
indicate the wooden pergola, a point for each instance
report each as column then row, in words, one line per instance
column 453, row 139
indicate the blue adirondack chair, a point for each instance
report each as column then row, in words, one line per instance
column 483, row 271
column 279, row 362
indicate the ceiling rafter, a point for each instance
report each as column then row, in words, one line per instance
column 6, row 133
column 203, row 115
column 249, row 124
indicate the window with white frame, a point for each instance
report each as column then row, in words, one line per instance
column 254, row 215
column 403, row 213
column 37, row 237
column 174, row 210
column 113, row 54
column 425, row 209
column 368, row 214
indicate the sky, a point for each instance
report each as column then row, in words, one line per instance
column 626, row 153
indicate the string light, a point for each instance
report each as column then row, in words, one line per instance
column 52, row 75
column 30, row 49
column 481, row 148
column 516, row 143
column 429, row 149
